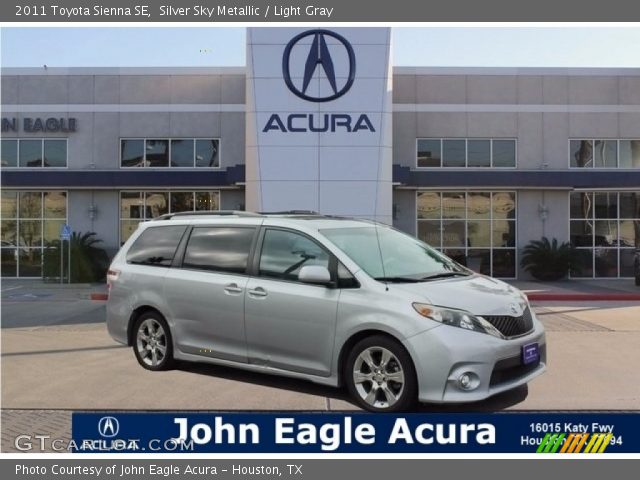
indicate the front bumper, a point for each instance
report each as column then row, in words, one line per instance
column 443, row 353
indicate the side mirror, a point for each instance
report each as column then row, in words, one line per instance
column 315, row 274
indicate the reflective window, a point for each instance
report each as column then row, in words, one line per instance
column 30, row 153
column 453, row 153
column 55, row 153
column 220, row 249
column 30, row 221
column 9, row 153
column 629, row 154
column 30, row 205
column 55, row 204
column 595, row 153
column 479, row 153
column 9, row 204
column 604, row 227
column 34, row 152
column 466, row 152
column 429, row 205
column 207, row 153
column 182, row 202
column 606, row 153
column 477, row 229
column 285, row 253
column 170, row 152
column 132, row 153
column 182, row 153
column 429, row 153
column 207, row 201
column 139, row 206
column 156, row 153
column 504, row 153
column 157, row 203
column 581, row 153
column 156, row 246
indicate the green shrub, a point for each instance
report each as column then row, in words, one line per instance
column 547, row 260
column 89, row 263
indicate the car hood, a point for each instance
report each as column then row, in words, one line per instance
column 477, row 294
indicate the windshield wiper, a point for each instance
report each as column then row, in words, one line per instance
column 398, row 279
column 445, row 275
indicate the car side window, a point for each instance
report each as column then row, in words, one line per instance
column 156, row 246
column 346, row 278
column 219, row 249
column 284, row 253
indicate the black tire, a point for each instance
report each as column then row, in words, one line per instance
column 407, row 395
column 164, row 361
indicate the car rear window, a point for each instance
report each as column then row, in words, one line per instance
column 156, row 246
column 222, row 249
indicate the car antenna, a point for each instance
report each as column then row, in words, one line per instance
column 384, row 273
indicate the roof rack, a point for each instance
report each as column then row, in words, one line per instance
column 214, row 213
column 293, row 212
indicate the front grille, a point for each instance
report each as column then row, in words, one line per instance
column 512, row 326
column 509, row 369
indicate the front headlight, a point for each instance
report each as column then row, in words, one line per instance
column 456, row 318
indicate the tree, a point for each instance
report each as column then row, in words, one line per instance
column 89, row 262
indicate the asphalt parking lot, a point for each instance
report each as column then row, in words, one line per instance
column 56, row 354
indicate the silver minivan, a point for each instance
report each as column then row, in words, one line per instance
column 333, row 300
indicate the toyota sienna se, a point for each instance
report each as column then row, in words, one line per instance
column 333, row 300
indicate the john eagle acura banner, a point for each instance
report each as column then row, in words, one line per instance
column 552, row 433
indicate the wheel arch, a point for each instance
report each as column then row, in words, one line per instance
column 355, row 338
column 137, row 313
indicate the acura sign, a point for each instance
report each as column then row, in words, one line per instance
column 318, row 121
column 319, row 56
column 319, row 59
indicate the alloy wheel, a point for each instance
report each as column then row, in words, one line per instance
column 151, row 342
column 378, row 377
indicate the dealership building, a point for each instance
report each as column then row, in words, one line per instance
column 478, row 162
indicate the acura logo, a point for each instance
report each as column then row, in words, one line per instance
column 108, row 427
column 319, row 57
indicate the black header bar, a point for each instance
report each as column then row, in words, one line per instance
column 318, row 11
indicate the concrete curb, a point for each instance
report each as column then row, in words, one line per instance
column 583, row 297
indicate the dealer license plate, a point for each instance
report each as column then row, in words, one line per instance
column 530, row 353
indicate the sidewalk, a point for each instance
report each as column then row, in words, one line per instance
column 580, row 290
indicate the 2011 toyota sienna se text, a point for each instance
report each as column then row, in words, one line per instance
column 332, row 300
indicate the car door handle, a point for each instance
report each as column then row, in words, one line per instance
column 258, row 292
column 232, row 288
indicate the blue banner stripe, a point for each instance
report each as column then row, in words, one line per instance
column 251, row 432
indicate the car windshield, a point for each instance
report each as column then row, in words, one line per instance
column 388, row 254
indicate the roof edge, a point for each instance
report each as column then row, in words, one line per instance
column 123, row 70
column 560, row 71
column 397, row 70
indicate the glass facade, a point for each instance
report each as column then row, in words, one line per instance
column 475, row 228
column 139, row 206
column 33, row 152
column 610, row 153
column 605, row 230
column 30, row 219
column 470, row 152
column 174, row 152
